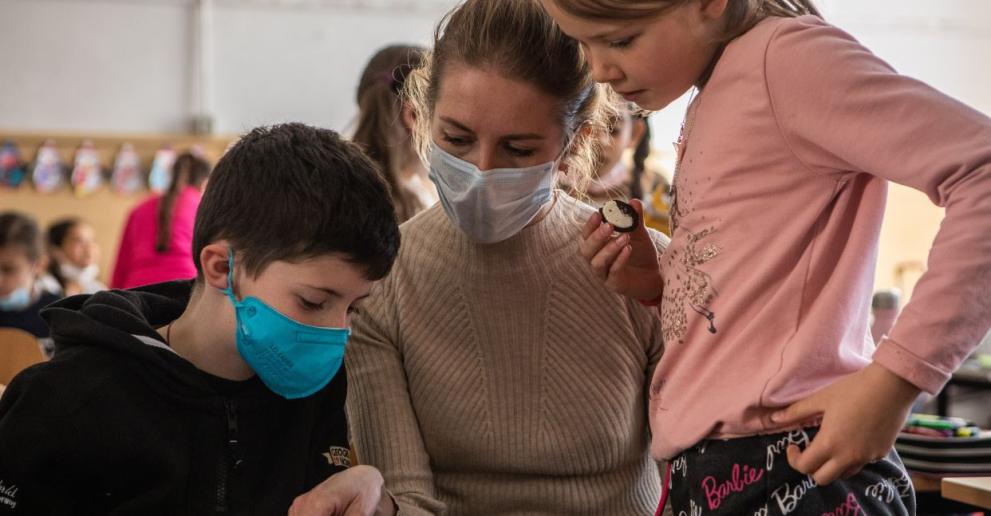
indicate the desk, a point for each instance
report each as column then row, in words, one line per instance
column 971, row 490
column 924, row 483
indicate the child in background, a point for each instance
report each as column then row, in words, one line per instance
column 220, row 394
column 73, row 255
column 771, row 397
column 157, row 242
column 384, row 128
column 21, row 262
column 885, row 305
column 622, row 170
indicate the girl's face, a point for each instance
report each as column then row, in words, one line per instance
column 621, row 136
column 493, row 122
column 650, row 61
column 16, row 271
column 79, row 247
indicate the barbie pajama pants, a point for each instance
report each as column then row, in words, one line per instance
column 751, row 476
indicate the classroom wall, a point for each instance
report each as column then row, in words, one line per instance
column 105, row 210
column 127, row 66
column 947, row 44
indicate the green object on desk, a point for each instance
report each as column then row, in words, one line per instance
column 937, row 424
column 984, row 360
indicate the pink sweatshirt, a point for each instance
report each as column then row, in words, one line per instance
column 780, row 196
column 138, row 263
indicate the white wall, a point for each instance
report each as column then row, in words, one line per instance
column 126, row 65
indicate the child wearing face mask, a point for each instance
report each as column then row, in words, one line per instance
column 21, row 262
column 73, row 256
column 223, row 394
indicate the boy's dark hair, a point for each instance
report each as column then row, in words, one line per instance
column 292, row 192
column 18, row 229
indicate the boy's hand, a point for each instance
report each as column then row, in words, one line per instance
column 861, row 416
column 356, row 491
column 627, row 264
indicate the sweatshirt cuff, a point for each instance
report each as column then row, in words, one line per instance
column 909, row 366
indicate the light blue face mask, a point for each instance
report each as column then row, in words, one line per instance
column 493, row 205
column 293, row 359
column 16, row 301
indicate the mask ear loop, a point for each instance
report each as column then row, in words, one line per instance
column 230, row 275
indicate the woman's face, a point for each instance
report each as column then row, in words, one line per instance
column 79, row 247
column 492, row 121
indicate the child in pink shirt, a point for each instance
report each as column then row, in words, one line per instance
column 771, row 396
column 157, row 242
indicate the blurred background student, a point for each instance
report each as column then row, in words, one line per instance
column 22, row 261
column 156, row 245
column 73, row 257
column 624, row 171
column 384, row 128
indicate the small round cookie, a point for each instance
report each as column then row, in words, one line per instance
column 620, row 215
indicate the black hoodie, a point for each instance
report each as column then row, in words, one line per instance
column 118, row 423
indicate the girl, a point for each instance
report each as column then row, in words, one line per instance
column 383, row 131
column 157, row 241
column 490, row 373
column 786, row 151
column 619, row 177
column 74, row 254
column 21, row 261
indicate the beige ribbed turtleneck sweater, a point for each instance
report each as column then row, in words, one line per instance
column 504, row 378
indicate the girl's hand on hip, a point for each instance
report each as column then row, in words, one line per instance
column 861, row 416
column 627, row 263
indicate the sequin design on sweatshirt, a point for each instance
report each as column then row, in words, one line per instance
column 693, row 289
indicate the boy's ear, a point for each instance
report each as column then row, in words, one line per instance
column 215, row 265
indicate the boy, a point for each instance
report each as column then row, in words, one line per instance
column 222, row 394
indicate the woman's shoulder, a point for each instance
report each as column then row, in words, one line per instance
column 429, row 229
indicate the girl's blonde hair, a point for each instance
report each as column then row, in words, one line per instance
column 519, row 40
column 741, row 15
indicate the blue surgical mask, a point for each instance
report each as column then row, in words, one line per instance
column 293, row 359
column 16, row 301
column 494, row 205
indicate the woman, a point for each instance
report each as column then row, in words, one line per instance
column 482, row 380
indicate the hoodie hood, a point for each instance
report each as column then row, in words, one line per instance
column 124, row 322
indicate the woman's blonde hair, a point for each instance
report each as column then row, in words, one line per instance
column 741, row 15
column 519, row 40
